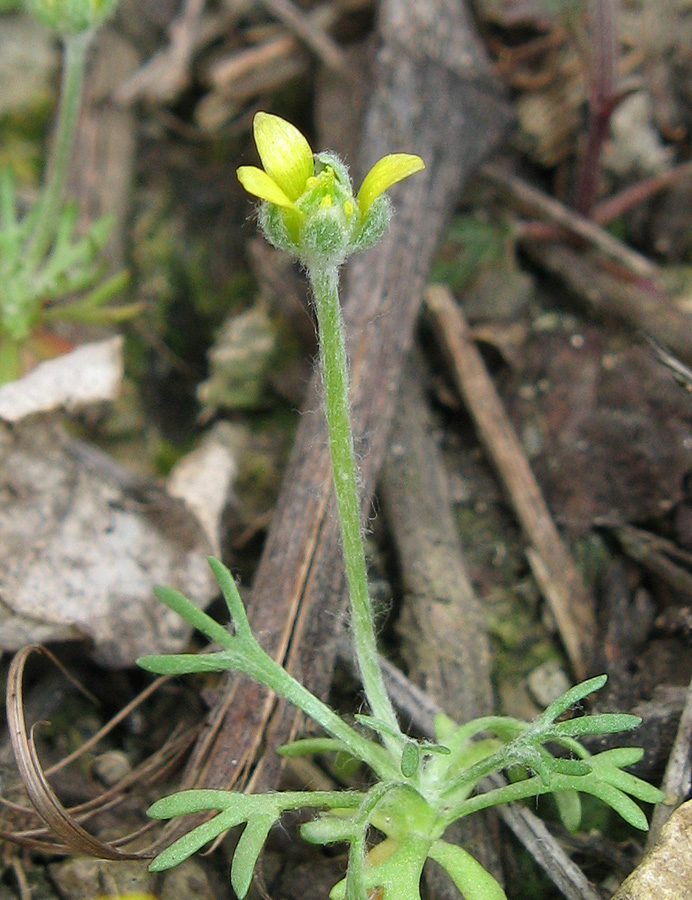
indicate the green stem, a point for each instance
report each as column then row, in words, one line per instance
column 60, row 157
column 325, row 286
column 267, row 671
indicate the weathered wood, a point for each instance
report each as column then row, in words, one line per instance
column 447, row 113
column 442, row 627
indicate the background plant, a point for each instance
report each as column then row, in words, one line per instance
column 49, row 272
column 419, row 787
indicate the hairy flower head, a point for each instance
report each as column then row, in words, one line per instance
column 309, row 207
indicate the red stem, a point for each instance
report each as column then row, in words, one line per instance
column 602, row 74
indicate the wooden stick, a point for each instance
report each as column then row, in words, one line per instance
column 550, row 560
column 311, row 34
column 537, row 203
column 678, row 776
column 611, row 296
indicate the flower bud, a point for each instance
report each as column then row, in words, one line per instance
column 71, row 16
column 308, row 205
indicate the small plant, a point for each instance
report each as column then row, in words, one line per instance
column 419, row 787
column 47, row 272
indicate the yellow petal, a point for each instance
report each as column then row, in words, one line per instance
column 386, row 172
column 259, row 184
column 285, row 153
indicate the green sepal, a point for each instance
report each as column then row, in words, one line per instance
column 374, row 224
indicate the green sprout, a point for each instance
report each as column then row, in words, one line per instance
column 48, row 272
column 419, row 788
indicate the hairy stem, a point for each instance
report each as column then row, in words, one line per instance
column 325, row 286
column 60, row 157
column 268, row 671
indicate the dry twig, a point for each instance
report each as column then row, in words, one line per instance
column 537, row 203
column 310, row 33
column 677, row 780
column 552, row 565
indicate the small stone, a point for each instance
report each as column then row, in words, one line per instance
column 548, row 682
column 111, row 767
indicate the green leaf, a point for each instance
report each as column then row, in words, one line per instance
column 196, row 617
column 185, row 803
column 620, row 756
column 229, row 589
column 247, row 852
column 311, row 746
column 605, row 723
column 612, row 796
column 570, row 766
column 444, row 726
column 410, row 759
column 187, row 663
column 609, row 771
column 8, row 204
column 193, row 841
column 474, row 882
column 569, row 808
column 86, row 314
column 570, row 698
column 636, row 787
column 329, row 828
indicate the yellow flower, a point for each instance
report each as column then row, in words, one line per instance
column 287, row 160
column 309, row 207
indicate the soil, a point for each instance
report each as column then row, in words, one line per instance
column 218, row 364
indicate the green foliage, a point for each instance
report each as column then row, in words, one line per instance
column 64, row 286
column 421, row 787
column 48, row 272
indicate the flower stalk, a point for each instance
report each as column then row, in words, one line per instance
column 334, row 366
column 58, row 166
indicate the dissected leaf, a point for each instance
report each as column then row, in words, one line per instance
column 247, row 852
column 571, row 697
column 569, row 808
column 193, row 841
